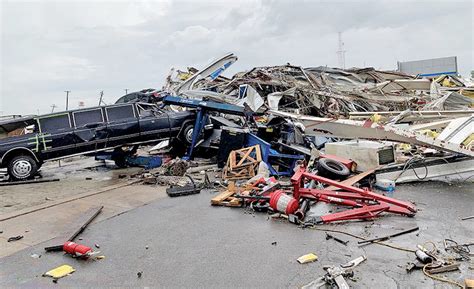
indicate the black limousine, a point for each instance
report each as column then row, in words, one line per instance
column 27, row 142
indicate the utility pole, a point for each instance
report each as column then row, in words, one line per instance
column 53, row 106
column 341, row 53
column 126, row 91
column 67, row 98
column 101, row 96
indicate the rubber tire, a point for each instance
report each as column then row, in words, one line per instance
column 29, row 159
column 185, row 131
column 119, row 157
column 121, row 163
column 332, row 169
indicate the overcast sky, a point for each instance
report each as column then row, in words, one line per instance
column 48, row 47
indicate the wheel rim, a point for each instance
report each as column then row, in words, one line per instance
column 189, row 136
column 22, row 168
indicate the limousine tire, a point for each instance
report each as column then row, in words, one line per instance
column 22, row 167
column 120, row 162
column 119, row 156
column 187, row 133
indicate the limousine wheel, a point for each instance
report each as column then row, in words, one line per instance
column 119, row 157
column 121, row 162
column 188, row 133
column 22, row 167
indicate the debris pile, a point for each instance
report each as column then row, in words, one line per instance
column 322, row 91
column 293, row 142
column 289, row 140
column 291, row 110
column 308, row 189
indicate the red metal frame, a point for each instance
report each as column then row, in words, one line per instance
column 368, row 204
column 366, row 212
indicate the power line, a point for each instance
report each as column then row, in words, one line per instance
column 67, row 98
column 101, row 96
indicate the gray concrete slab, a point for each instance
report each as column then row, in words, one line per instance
column 77, row 176
column 45, row 224
column 193, row 245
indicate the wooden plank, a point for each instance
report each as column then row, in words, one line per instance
column 243, row 173
column 231, row 187
column 235, row 202
column 217, row 200
column 232, row 159
column 245, row 156
column 352, row 180
column 258, row 152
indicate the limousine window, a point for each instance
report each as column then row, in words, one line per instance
column 120, row 112
column 55, row 122
column 82, row 118
column 146, row 110
column 16, row 130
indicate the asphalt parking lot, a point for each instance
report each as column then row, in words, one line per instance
column 185, row 243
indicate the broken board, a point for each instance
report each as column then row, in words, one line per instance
column 225, row 198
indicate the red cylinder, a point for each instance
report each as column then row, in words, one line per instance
column 77, row 250
column 281, row 202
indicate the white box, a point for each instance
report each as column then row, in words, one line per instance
column 367, row 154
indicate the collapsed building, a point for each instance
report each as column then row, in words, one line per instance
column 423, row 119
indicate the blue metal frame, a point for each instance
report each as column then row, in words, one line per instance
column 439, row 73
column 201, row 119
column 202, row 107
column 269, row 155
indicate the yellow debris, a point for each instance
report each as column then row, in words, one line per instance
column 183, row 75
column 469, row 141
column 60, row 271
column 468, row 93
column 376, row 118
column 429, row 132
column 447, row 83
column 307, row 258
column 404, row 147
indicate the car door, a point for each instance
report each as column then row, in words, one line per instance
column 90, row 129
column 154, row 123
column 122, row 125
column 55, row 136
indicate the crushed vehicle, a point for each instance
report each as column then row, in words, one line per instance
column 27, row 142
column 148, row 95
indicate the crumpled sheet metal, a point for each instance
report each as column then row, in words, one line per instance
column 450, row 101
column 318, row 91
column 353, row 129
column 315, row 91
column 211, row 72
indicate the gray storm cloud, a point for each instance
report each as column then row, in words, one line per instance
column 48, row 47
